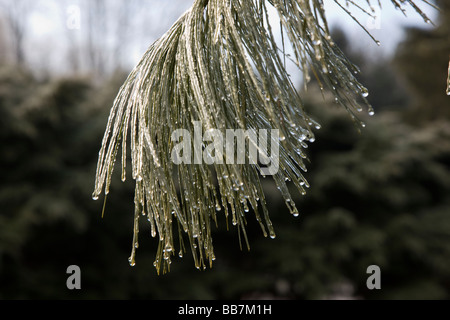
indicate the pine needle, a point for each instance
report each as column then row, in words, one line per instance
column 219, row 66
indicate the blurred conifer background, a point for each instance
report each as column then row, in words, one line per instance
column 381, row 196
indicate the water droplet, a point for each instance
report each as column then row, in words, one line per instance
column 371, row 112
column 365, row 93
column 94, row 197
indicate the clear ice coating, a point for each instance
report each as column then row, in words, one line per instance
column 219, row 65
column 448, row 80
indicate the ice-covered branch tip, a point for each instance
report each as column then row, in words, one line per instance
column 220, row 65
column 448, row 79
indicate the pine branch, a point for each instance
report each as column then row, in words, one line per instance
column 220, row 66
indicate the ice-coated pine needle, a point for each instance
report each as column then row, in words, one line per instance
column 220, row 65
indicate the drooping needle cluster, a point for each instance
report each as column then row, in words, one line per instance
column 220, row 65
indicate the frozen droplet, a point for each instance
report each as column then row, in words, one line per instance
column 365, row 92
column 94, row 197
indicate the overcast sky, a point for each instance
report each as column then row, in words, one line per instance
column 48, row 21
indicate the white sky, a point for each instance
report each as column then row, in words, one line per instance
column 388, row 27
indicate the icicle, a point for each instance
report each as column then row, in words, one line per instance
column 219, row 67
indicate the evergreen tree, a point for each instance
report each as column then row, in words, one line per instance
column 428, row 85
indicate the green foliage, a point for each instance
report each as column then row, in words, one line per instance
column 220, row 65
column 378, row 197
column 381, row 197
column 423, row 59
